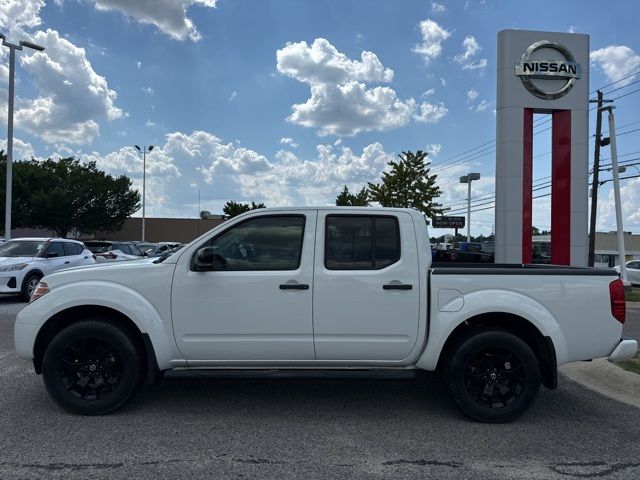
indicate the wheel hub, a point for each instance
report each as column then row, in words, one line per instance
column 90, row 369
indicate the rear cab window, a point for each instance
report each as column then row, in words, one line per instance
column 361, row 242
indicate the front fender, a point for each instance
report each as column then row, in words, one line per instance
column 150, row 319
column 488, row 301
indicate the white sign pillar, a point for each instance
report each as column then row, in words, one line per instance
column 542, row 72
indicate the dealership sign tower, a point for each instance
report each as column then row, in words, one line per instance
column 542, row 72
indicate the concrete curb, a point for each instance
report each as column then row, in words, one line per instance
column 606, row 378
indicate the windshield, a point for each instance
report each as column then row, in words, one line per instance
column 21, row 248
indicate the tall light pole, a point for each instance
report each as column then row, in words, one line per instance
column 12, row 66
column 468, row 179
column 195, row 185
column 144, row 151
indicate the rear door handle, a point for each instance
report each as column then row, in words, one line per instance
column 294, row 286
column 397, row 286
column 67, row 262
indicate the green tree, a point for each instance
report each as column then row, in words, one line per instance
column 232, row 209
column 347, row 199
column 408, row 185
column 67, row 194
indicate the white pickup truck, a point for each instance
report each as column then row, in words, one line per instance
column 319, row 288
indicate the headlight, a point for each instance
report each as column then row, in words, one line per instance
column 41, row 289
column 11, row 268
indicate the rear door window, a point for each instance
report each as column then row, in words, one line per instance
column 55, row 248
column 361, row 242
column 71, row 248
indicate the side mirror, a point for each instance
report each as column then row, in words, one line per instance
column 206, row 259
column 51, row 255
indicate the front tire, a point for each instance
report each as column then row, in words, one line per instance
column 492, row 376
column 92, row 367
column 29, row 284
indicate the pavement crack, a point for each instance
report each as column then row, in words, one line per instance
column 62, row 466
column 592, row 469
column 423, row 462
column 256, row 461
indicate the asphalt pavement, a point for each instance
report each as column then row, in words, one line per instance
column 307, row 427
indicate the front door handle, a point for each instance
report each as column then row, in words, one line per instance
column 294, row 286
column 67, row 262
column 397, row 286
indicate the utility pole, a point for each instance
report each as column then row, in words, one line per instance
column 594, row 185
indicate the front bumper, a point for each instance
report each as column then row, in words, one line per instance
column 24, row 337
column 625, row 350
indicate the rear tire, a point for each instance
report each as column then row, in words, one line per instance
column 29, row 285
column 492, row 376
column 92, row 367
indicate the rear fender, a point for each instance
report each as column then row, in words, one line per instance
column 489, row 301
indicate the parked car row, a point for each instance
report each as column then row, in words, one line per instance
column 24, row 261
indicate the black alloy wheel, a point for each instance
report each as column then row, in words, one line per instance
column 93, row 367
column 492, row 375
column 494, row 378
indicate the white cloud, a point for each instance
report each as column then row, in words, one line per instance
column 572, row 29
column 482, row 106
column 630, row 202
column 288, row 141
column 72, row 96
column 323, row 63
column 471, row 48
column 150, row 123
column 428, row 93
column 148, row 90
column 19, row 16
column 232, row 97
column 443, row 82
column 139, row 65
column 616, row 61
column 341, row 103
column 432, row 37
column 168, row 16
column 477, row 65
column 225, row 171
column 434, row 149
column 472, row 96
column 21, row 150
column 437, row 8
column 431, row 113
column 128, row 160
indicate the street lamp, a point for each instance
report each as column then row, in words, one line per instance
column 468, row 179
column 12, row 65
column 144, row 151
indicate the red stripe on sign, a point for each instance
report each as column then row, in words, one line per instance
column 527, row 185
column 561, row 187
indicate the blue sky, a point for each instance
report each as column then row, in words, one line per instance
column 240, row 108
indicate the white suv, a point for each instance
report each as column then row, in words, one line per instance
column 24, row 261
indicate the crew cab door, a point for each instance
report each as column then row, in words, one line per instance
column 254, row 304
column 366, row 287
